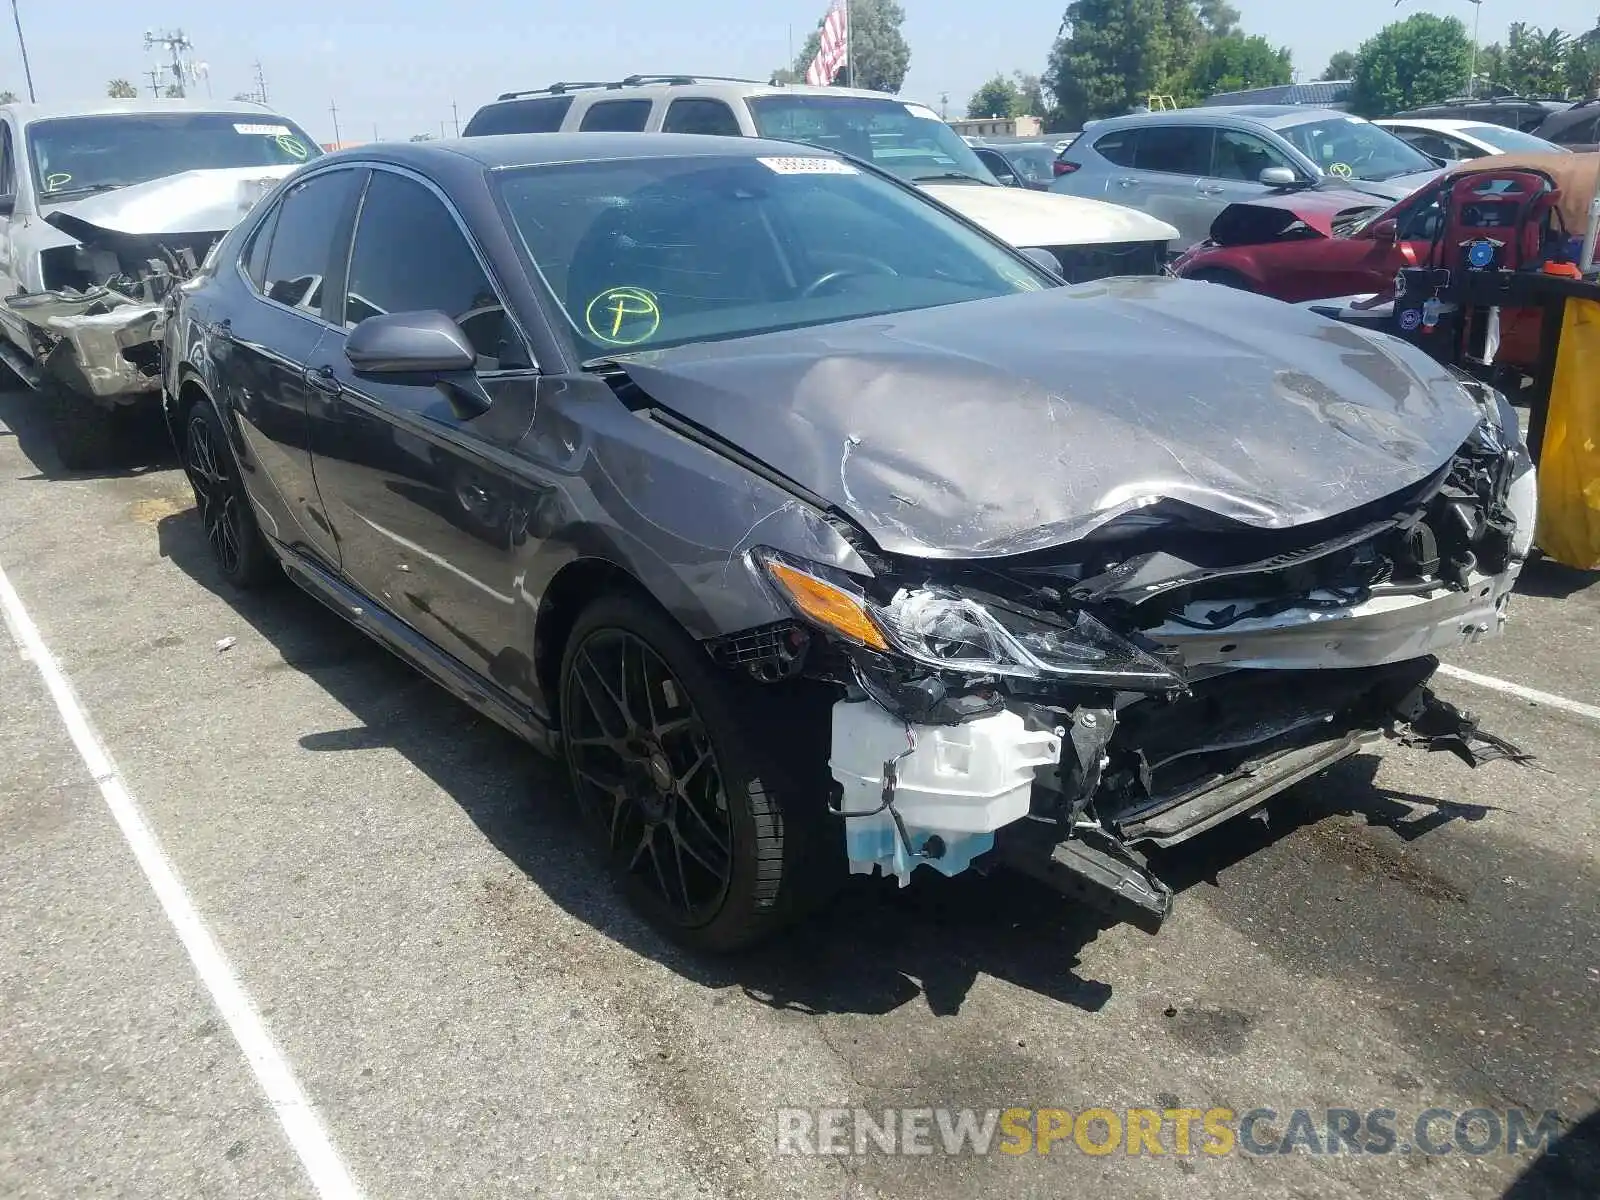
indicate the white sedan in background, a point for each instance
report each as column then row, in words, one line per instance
column 1455, row 141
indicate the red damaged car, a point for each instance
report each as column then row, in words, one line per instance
column 1313, row 244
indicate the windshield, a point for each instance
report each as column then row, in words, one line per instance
column 1350, row 148
column 1513, row 140
column 77, row 155
column 907, row 139
column 646, row 253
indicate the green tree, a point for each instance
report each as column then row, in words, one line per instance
column 1030, row 95
column 1535, row 62
column 997, row 98
column 1421, row 60
column 1583, row 67
column 121, row 89
column 877, row 46
column 421, row 137
column 1110, row 56
column 1231, row 64
column 784, row 76
column 1341, row 66
column 1220, row 18
column 1185, row 34
column 8, row 97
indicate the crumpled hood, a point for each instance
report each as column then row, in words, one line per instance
column 1397, row 188
column 189, row 202
column 1002, row 426
column 1046, row 219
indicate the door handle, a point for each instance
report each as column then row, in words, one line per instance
column 1127, row 181
column 1209, row 189
column 221, row 330
column 323, row 379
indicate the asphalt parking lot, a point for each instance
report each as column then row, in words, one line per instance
column 401, row 893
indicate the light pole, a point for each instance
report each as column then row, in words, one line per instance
column 27, row 71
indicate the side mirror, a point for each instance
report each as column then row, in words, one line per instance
column 1040, row 257
column 1279, row 177
column 1007, row 179
column 409, row 343
column 1386, row 230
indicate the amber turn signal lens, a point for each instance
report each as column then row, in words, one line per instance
column 830, row 607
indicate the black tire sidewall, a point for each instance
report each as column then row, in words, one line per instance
column 771, row 793
column 257, row 564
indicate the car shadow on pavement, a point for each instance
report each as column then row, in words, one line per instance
column 1568, row 1169
column 1554, row 581
column 874, row 949
column 142, row 441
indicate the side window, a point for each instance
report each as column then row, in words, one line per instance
column 542, row 115
column 1175, row 149
column 388, row 276
column 1582, row 134
column 993, row 161
column 691, row 115
column 617, row 116
column 8, row 162
column 255, row 254
column 1244, row 156
column 301, row 253
column 1118, row 147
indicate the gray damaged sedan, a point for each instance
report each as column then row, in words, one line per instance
column 818, row 530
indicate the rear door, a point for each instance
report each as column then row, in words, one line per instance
column 1171, row 177
column 427, row 505
column 263, row 347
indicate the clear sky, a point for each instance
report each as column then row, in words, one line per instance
column 396, row 65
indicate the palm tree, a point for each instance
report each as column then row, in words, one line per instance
column 121, row 89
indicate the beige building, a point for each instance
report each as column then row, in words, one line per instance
column 1000, row 127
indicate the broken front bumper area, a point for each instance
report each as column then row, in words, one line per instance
column 1150, row 775
column 98, row 343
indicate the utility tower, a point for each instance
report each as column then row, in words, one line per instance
column 182, row 68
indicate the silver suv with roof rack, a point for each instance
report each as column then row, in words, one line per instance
column 1090, row 239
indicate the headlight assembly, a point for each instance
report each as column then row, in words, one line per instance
column 948, row 631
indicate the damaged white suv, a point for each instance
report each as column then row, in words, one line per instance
column 102, row 211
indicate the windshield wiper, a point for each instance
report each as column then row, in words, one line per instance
column 947, row 175
column 88, row 189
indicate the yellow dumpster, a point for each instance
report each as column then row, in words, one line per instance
column 1569, row 462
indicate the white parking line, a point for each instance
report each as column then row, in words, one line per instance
column 1532, row 695
column 300, row 1122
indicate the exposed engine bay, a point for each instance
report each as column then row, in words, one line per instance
column 1063, row 711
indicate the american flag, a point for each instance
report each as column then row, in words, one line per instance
column 834, row 47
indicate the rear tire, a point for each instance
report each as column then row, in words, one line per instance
column 237, row 546
column 705, row 792
column 84, row 432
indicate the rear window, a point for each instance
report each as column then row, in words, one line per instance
column 543, row 114
column 1508, row 140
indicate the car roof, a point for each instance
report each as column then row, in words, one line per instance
column 26, row 113
column 1271, row 116
column 701, row 86
column 1441, row 124
column 501, row 151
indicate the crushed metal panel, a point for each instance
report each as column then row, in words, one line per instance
column 211, row 201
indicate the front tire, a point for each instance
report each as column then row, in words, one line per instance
column 706, row 793
column 235, row 540
column 84, row 432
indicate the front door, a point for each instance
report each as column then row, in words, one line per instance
column 430, row 505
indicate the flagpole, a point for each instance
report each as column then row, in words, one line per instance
column 849, row 57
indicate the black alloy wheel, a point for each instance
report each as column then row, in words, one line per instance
column 705, row 792
column 646, row 776
column 230, row 526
